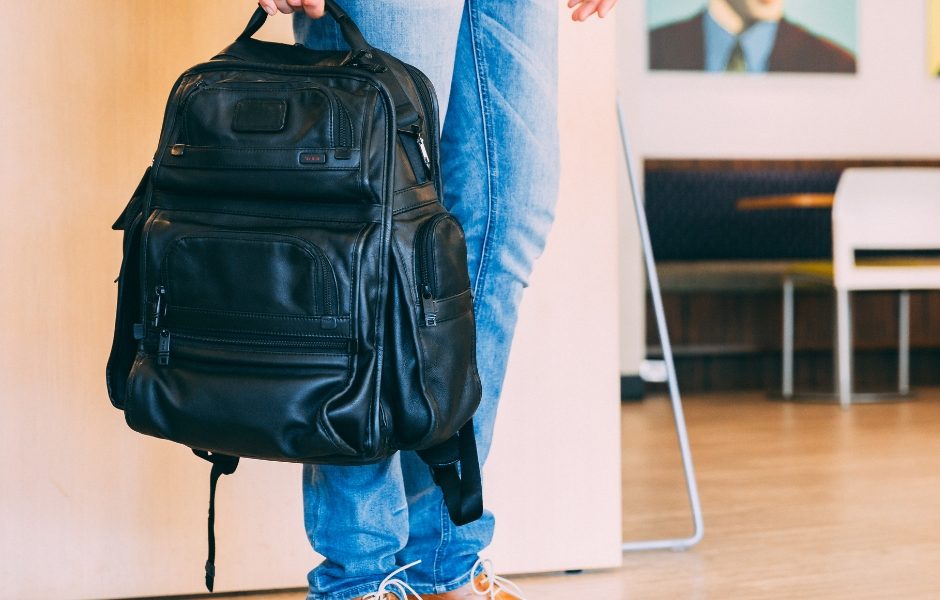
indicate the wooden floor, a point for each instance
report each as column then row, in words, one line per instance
column 800, row 501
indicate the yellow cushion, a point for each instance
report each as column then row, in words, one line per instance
column 813, row 268
column 824, row 270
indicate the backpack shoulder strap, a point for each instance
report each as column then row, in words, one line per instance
column 455, row 467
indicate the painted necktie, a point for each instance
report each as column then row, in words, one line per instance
column 737, row 63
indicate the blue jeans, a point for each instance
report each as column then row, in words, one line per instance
column 494, row 66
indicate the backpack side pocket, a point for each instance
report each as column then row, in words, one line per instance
column 445, row 327
column 126, row 336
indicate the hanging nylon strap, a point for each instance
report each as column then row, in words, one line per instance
column 222, row 464
column 455, row 467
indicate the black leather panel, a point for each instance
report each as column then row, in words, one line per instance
column 415, row 197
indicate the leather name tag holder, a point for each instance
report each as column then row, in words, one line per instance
column 259, row 115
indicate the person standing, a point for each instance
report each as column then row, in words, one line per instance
column 494, row 66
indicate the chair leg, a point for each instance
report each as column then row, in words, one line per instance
column 844, row 343
column 835, row 343
column 904, row 342
column 787, row 350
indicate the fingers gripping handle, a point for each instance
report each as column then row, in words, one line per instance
column 347, row 26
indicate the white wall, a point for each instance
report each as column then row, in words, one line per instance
column 888, row 110
column 90, row 509
column 558, row 436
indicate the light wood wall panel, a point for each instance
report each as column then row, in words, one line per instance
column 89, row 509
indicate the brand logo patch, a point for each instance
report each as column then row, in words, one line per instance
column 312, row 158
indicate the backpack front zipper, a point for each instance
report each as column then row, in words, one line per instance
column 427, row 274
column 313, row 345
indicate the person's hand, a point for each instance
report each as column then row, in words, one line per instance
column 313, row 8
column 585, row 8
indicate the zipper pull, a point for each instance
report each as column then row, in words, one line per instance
column 361, row 61
column 424, row 152
column 415, row 132
column 158, row 307
column 429, row 306
column 163, row 353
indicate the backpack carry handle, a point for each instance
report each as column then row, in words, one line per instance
column 347, row 26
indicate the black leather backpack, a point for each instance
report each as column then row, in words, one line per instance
column 292, row 288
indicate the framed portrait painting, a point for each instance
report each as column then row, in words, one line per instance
column 753, row 36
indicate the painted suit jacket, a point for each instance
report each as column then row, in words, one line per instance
column 681, row 46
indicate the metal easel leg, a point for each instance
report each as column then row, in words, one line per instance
column 678, row 414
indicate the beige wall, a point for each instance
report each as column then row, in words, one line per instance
column 888, row 110
column 89, row 508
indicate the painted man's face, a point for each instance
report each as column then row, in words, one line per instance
column 758, row 10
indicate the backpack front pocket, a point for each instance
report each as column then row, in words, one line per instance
column 246, row 298
column 248, row 273
column 238, row 113
column 248, row 337
column 295, row 138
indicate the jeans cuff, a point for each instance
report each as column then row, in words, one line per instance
column 359, row 590
column 445, row 587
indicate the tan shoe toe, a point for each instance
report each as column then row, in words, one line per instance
column 481, row 587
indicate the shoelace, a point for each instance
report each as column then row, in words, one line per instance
column 494, row 583
column 391, row 585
